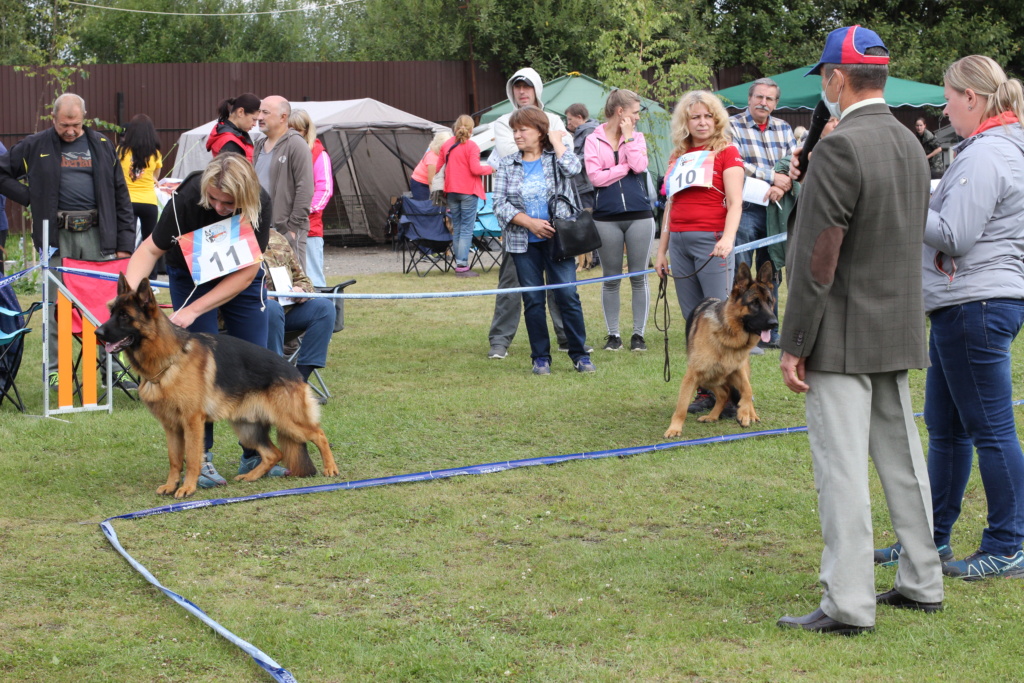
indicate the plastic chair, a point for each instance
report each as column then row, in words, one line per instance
column 320, row 387
column 94, row 294
column 486, row 251
column 424, row 239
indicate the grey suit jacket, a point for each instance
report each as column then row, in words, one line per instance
column 854, row 257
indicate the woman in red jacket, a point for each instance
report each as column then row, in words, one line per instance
column 464, row 188
column 236, row 117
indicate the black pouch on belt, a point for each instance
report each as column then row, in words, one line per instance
column 77, row 221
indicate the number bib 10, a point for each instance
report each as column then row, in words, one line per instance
column 695, row 169
column 219, row 249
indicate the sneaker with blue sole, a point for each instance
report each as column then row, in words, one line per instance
column 888, row 557
column 247, row 465
column 584, row 364
column 982, row 565
column 542, row 366
column 208, row 476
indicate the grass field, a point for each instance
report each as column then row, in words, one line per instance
column 668, row 566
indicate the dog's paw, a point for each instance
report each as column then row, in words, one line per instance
column 247, row 477
column 747, row 418
column 331, row 472
column 707, row 418
column 673, row 432
column 184, row 491
column 166, row 489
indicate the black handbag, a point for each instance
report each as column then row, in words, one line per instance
column 575, row 235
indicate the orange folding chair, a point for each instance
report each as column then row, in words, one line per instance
column 94, row 294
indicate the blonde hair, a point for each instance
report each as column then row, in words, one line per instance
column 233, row 175
column 440, row 138
column 300, row 120
column 463, row 127
column 619, row 98
column 721, row 136
column 986, row 78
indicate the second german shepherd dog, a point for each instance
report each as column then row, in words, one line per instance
column 719, row 337
column 190, row 379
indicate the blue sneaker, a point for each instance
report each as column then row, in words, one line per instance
column 983, row 565
column 208, row 475
column 584, row 364
column 542, row 366
column 887, row 557
column 247, row 465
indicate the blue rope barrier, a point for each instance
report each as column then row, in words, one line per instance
column 14, row 277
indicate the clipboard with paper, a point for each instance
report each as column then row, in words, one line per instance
column 219, row 249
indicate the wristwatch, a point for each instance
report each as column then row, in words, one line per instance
column 629, row 139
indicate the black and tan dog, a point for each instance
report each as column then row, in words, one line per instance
column 190, row 379
column 719, row 336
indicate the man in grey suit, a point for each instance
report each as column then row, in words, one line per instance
column 854, row 325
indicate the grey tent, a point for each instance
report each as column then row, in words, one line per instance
column 374, row 148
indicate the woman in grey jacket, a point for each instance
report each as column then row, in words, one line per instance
column 974, row 296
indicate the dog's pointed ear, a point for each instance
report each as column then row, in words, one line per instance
column 766, row 274
column 145, row 292
column 122, row 284
column 743, row 278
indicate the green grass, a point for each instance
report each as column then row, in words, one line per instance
column 668, row 566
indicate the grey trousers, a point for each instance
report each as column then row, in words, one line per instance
column 508, row 308
column 850, row 417
column 636, row 237
column 687, row 252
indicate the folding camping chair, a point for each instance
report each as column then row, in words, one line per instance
column 486, row 251
column 13, row 328
column 94, row 293
column 320, row 387
column 424, row 239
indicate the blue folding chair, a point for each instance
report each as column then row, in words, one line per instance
column 424, row 239
column 13, row 328
column 486, row 250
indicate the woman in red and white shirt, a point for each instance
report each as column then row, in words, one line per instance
column 704, row 186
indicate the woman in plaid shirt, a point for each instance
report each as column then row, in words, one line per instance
column 523, row 185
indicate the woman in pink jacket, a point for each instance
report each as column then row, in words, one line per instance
column 464, row 186
column 323, row 190
column 615, row 155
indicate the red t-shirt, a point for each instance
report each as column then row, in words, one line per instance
column 703, row 208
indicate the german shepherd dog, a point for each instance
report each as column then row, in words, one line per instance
column 190, row 379
column 719, row 336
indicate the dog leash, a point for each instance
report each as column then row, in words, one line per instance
column 662, row 301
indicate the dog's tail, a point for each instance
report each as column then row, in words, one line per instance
column 296, row 456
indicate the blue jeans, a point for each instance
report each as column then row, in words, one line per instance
column 315, row 317
column 419, row 190
column 967, row 407
column 245, row 316
column 532, row 267
column 754, row 226
column 463, row 211
column 315, row 261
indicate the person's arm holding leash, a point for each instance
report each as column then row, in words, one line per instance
column 732, row 178
column 661, row 262
column 229, row 286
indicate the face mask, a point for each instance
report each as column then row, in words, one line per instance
column 833, row 107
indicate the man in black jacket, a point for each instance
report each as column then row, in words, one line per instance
column 75, row 182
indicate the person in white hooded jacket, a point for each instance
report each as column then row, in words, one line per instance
column 525, row 88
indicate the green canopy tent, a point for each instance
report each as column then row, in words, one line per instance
column 803, row 93
column 559, row 93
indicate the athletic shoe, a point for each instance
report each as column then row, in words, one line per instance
column 887, row 557
column 208, row 476
column 614, row 343
column 563, row 346
column 774, row 344
column 585, row 365
column 542, row 366
column 247, row 465
column 757, row 351
column 466, row 273
column 637, row 343
column 497, row 352
column 52, row 381
column 983, row 565
column 703, row 403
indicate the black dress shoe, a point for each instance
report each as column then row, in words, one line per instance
column 819, row 622
column 894, row 598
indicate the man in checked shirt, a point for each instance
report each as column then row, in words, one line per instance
column 762, row 140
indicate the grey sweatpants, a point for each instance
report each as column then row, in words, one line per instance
column 687, row 251
column 636, row 236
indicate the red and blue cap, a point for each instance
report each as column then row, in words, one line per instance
column 847, row 45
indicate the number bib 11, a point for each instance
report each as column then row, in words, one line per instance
column 219, row 249
column 695, row 169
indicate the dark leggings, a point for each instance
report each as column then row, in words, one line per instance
column 147, row 215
